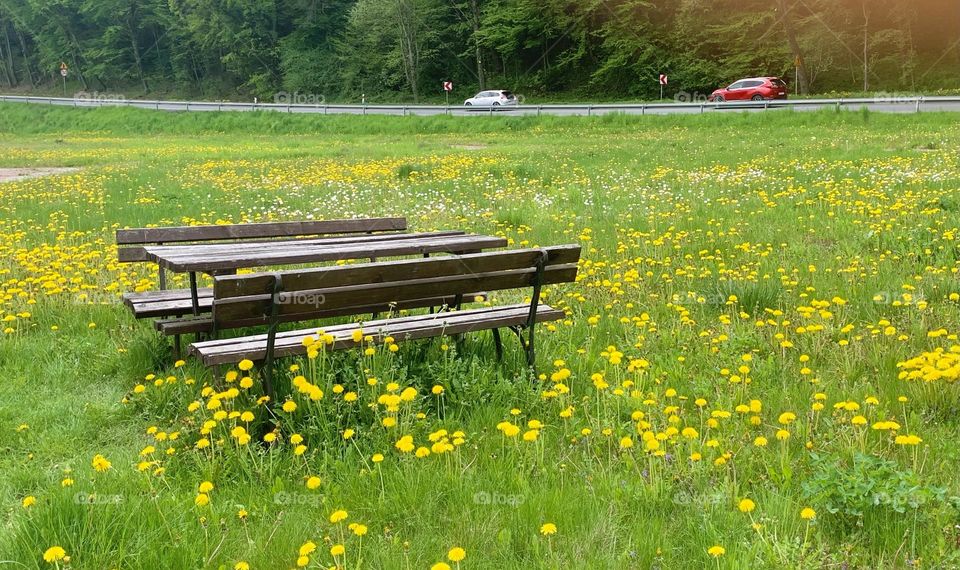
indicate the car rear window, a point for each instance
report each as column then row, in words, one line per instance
column 508, row 94
column 778, row 82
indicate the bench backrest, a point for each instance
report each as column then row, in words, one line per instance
column 131, row 241
column 244, row 300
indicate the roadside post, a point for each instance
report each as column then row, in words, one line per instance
column 63, row 73
column 447, row 88
column 663, row 81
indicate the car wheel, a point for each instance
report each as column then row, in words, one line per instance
column 719, row 99
column 468, row 104
column 495, row 104
column 757, row 97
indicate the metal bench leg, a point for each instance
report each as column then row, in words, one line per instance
column 531, row 325
column 266, row 374
column 194, row 296
column 267, row 368
column 498, row 344
column 177, row 349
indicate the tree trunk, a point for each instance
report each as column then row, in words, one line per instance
column 409, row 50
column 791, row 33
column 26, row 57
column 76, row 55
column 475, row 20
column 10, row 71
column 866, row 47
column 136, row 52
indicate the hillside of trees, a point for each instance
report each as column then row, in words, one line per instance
column 392, row 50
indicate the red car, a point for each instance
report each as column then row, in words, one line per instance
column 752, row 89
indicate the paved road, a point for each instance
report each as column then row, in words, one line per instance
column 879, row 104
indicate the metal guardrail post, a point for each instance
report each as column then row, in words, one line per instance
column 839, row 104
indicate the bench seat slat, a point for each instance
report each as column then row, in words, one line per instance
column 181, row 260
column 191, row 325
column 305, row 304
column 163, row 295
column 387, row 271
column 168, row 303
column 290, row 343
column 265, row 229
column 132, row 241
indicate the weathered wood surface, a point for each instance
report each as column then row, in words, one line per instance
column 210, row 258
column 290, row 343
column 134, row 237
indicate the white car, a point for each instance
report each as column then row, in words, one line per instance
column 492, row 99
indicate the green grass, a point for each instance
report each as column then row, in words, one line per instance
column 705, row 239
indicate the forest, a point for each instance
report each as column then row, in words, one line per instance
column 402, row 50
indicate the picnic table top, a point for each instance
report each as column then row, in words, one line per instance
column 208, row 258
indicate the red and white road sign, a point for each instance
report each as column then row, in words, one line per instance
column 63, row 69
column 448, row 86
column 663, row 79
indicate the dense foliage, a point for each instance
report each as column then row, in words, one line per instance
column 403, row 49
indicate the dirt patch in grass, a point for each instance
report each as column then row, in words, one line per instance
column 14, row 174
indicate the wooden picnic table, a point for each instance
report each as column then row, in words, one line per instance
column 227, row 258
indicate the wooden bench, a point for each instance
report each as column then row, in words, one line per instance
column 274, row 298
column 132, row 245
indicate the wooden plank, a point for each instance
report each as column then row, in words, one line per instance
column 254, row 348
column 371, row 324
column 149, row 253
column 267, row 256
column 192, row 249
column 383, row 272
column 176, row 253
column 132, row 254
column 171, row 308
column 258, row 230
column 189, row 325
column 164, row 295
column 305, row 304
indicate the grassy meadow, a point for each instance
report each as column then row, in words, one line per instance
column 758, row 369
